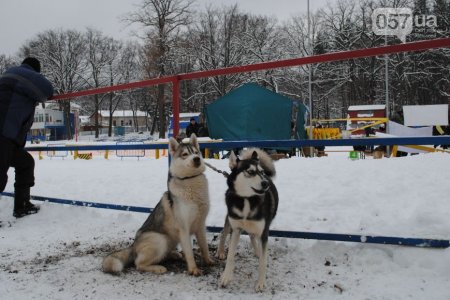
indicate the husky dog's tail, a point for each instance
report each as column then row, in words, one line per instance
column 117, row 261
column 264, row 159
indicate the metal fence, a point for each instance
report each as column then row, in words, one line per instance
column 56, row 153
column 174, row 80
column 130, row 152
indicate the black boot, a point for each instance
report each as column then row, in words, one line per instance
column 22, row 204
column 32, row 208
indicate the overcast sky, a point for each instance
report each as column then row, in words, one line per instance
column 21, row 20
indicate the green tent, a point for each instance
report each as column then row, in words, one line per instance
column 250, row 112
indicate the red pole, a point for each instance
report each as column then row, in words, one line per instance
column 322, row 58
column 176, row 106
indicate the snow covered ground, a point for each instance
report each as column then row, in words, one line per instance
column 57, row 253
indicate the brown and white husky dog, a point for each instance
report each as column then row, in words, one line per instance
column 180, row 213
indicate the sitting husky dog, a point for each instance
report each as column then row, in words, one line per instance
column 252, row 202
column 181, row 212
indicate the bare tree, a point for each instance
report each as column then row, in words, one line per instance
column 62, row 54
column 130, row 68
column 163, row 20
column 299, row 44
column 217, row 44
column 102, row 53
column 6, row 63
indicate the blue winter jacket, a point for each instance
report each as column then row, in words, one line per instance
column 21, row 89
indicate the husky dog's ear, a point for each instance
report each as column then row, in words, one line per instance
column 233, row 161
column 255, row 155
column 194, row 142
column 173, row 146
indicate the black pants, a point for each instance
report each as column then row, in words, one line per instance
column 15, row 156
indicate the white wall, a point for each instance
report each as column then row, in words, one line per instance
column 425, row 115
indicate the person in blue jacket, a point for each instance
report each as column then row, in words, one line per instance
column 21, row 89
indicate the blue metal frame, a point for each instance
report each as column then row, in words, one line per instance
column 438, row 140
column 357, row 238
column 87, row 203
column 386, row 240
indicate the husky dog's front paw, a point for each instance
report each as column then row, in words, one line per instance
column 260, row 286
column 225, row 279
column 209, row 261
column 159, row 270
column 221, row 255
column 195, row 272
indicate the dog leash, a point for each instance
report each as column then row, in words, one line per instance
column 225, row 174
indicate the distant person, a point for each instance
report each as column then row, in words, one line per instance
column 21, row 89
column 203, row 130
column 320, row 149
column 381, row 129
column 192, row 128
column 368, row 132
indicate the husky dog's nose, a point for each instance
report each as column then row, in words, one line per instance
column 264, row 184
column 196, row 160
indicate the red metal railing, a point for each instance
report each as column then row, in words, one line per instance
column 324, row 58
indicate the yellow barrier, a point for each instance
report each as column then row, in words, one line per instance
column 86, row 156
column 82, row 155
column 365, row 126
column 351, row 119
column 333, row 135
column 326, row 133
column 418, row 147
column 394, row 151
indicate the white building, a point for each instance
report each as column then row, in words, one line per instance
column 122, row 118
column 48, row 125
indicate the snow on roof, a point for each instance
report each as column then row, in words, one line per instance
column 366, row 107
column 122, row 113
column 74, row 105
column 41, row 110
column 55, row 105
column 188, row 115
column 84, row 119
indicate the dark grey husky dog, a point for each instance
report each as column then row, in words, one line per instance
column 252, row 202
column 180, row 213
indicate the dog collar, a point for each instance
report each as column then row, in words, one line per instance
column 183, row 178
